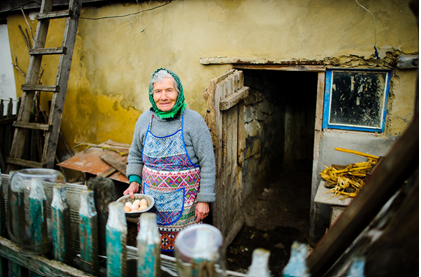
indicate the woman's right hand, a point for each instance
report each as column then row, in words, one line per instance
column 132, row 189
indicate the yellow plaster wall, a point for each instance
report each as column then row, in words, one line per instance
column 115, row 57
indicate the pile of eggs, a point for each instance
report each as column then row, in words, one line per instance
column 136, row 206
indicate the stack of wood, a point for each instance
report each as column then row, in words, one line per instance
column 115, row 163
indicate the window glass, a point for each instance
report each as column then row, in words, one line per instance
column 356, row 99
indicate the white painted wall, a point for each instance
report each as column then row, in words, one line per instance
column 7, row 78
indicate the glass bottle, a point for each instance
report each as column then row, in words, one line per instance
column 60, row 217
column 27, row 221
column 148, row 247
column 116, row 238
column 260, row 263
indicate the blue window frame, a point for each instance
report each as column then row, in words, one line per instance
column 356, row 99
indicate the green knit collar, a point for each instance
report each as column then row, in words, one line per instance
column 179, row 106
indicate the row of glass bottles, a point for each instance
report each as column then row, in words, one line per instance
column 199, row 248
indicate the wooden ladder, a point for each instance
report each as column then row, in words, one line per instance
column 52, row 128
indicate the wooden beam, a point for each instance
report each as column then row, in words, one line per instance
column 283, row 67
column 35, row 126
column 391, row 172
column 54, row 14
column 39, row 264
column 25, row 163
column 271, row 64
column 233, row 99
column 318, row 121
column 48, row 51
column 39, row 88
column 119, row 165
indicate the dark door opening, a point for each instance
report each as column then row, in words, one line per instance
column 279, row 116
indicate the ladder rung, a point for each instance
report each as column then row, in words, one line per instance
column 52, row 15
column 48, row 51
column 35, row 126
column 25, row 163
column 40, row 88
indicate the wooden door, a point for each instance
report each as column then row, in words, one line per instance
column 224, row 105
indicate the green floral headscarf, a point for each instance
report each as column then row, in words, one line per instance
column 179, row 104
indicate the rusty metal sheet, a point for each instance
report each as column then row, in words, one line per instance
column 88, row 161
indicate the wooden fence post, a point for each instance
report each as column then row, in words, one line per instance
column 61, row 232
column 88, row 232
column 116, row 238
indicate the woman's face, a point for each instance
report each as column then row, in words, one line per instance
column 164, row 94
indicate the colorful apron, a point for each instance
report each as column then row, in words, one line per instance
column 172, row 180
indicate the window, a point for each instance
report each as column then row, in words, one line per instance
column 355, row 99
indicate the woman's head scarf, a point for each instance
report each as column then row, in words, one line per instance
column 179, row 105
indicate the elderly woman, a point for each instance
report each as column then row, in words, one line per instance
column 171, row 158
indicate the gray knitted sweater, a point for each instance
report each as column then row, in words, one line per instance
column 198, row 143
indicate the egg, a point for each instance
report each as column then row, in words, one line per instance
column 137, row 202
column 128, row 204
column 134, row 207
column 143, row 207
column 127, row 209
column 143, row 202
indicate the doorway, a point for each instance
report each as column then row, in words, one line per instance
column 279, row 118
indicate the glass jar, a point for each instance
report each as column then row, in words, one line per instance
column 28, row 221
column 199, row 251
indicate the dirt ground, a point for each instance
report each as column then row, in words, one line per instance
column 277, row 214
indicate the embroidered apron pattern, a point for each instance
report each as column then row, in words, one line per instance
column 172, row 180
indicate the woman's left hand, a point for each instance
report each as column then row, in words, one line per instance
column 202, row 211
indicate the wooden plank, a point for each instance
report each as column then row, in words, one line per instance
column 209, row 96
column 39, row 88
column 34, row 126
column 55, row 14
column 280, row 67
column 25, row 163
column 316, row 149
column 38, row 264
column 391, row 172
column 244, row 61
column 218, row 129
column 48, row 51
column 229, row 86
column 117, row 164
column 233, row 99
column 231, row 204
column 218, row 148
column 16, row 5
column 107, row 172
